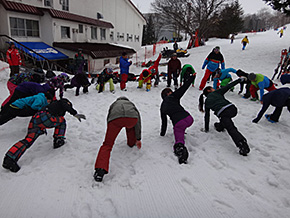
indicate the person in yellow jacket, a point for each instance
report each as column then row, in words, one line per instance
column 245, row 41
column 281, row 32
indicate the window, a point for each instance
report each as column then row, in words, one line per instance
column 65, row 32
column 112, row 35
column 48, row 3
column 118, row 36
column 81, row 28
column 122, row 36
column 94, row 33
column 136, row 38
column 65, row 4
column 24, row 27
column 103, row 34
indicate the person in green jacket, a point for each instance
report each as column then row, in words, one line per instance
column 186, row 71
column 225, row 111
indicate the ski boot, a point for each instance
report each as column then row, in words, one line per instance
column 99, row 174
column 181, row 152
column 268, row 117
column 244, row 148
column 58, row 142
column 10, row 164
column 219, row 127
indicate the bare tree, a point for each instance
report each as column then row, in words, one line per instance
column 189, row 15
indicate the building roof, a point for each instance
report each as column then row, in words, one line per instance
column 137, row 9
column 95, row 50
column 28, row 9
column 19, row 7
column 78, row 18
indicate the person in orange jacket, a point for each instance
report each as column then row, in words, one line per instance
column 14, row 59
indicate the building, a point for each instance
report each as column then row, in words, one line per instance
column 102, row 28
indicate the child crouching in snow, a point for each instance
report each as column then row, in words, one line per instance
column 78, row 81
column 106, row 77
column 180, row 118
column 225, row 111
column 145, row 77
column 52, row 116
column 25, row 107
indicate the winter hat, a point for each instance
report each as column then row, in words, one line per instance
column 174, row 54
column 217, row 48
column 252, row 76
column 165, row 92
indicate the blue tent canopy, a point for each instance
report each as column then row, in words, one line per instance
column 42, row 49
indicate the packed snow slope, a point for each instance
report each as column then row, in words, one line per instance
column 217, row 182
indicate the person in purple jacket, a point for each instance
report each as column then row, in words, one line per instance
column 27, row 89
column 278, row 98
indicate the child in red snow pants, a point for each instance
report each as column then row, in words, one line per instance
column 113, row 129
column 254, row 89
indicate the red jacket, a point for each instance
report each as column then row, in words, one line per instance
column 174, row 66
column 13, row 57
column 155, row 66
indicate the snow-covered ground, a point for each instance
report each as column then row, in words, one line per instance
column 217, row 182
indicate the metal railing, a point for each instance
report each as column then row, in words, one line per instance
column 35, row 59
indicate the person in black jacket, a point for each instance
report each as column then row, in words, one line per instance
column 51, row 116
column 225, row 111
column 278, row 98
column 180, row 118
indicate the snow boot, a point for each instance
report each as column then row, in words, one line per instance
column 10, row 164
column 219, row 127
column 58, row 142
column 181, row 152
column 268, row 117
column 244, row 148
column 99, row 174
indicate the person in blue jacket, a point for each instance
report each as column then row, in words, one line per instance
column 27, row 89
column 224, row 76
column 25, row 107
column 124, row 70
column 278, row 98
column 212, row 62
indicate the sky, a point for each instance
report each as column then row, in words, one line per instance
column 249, row 6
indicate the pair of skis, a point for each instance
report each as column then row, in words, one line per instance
column 283, row 64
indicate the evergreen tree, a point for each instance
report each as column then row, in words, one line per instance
column 280, row 5
column 230, row 20
column 149, row 32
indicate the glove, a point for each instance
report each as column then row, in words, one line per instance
column 80, row 116
column 255, row 120
column 138, row 144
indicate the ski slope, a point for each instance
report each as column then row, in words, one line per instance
column 217, row 182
